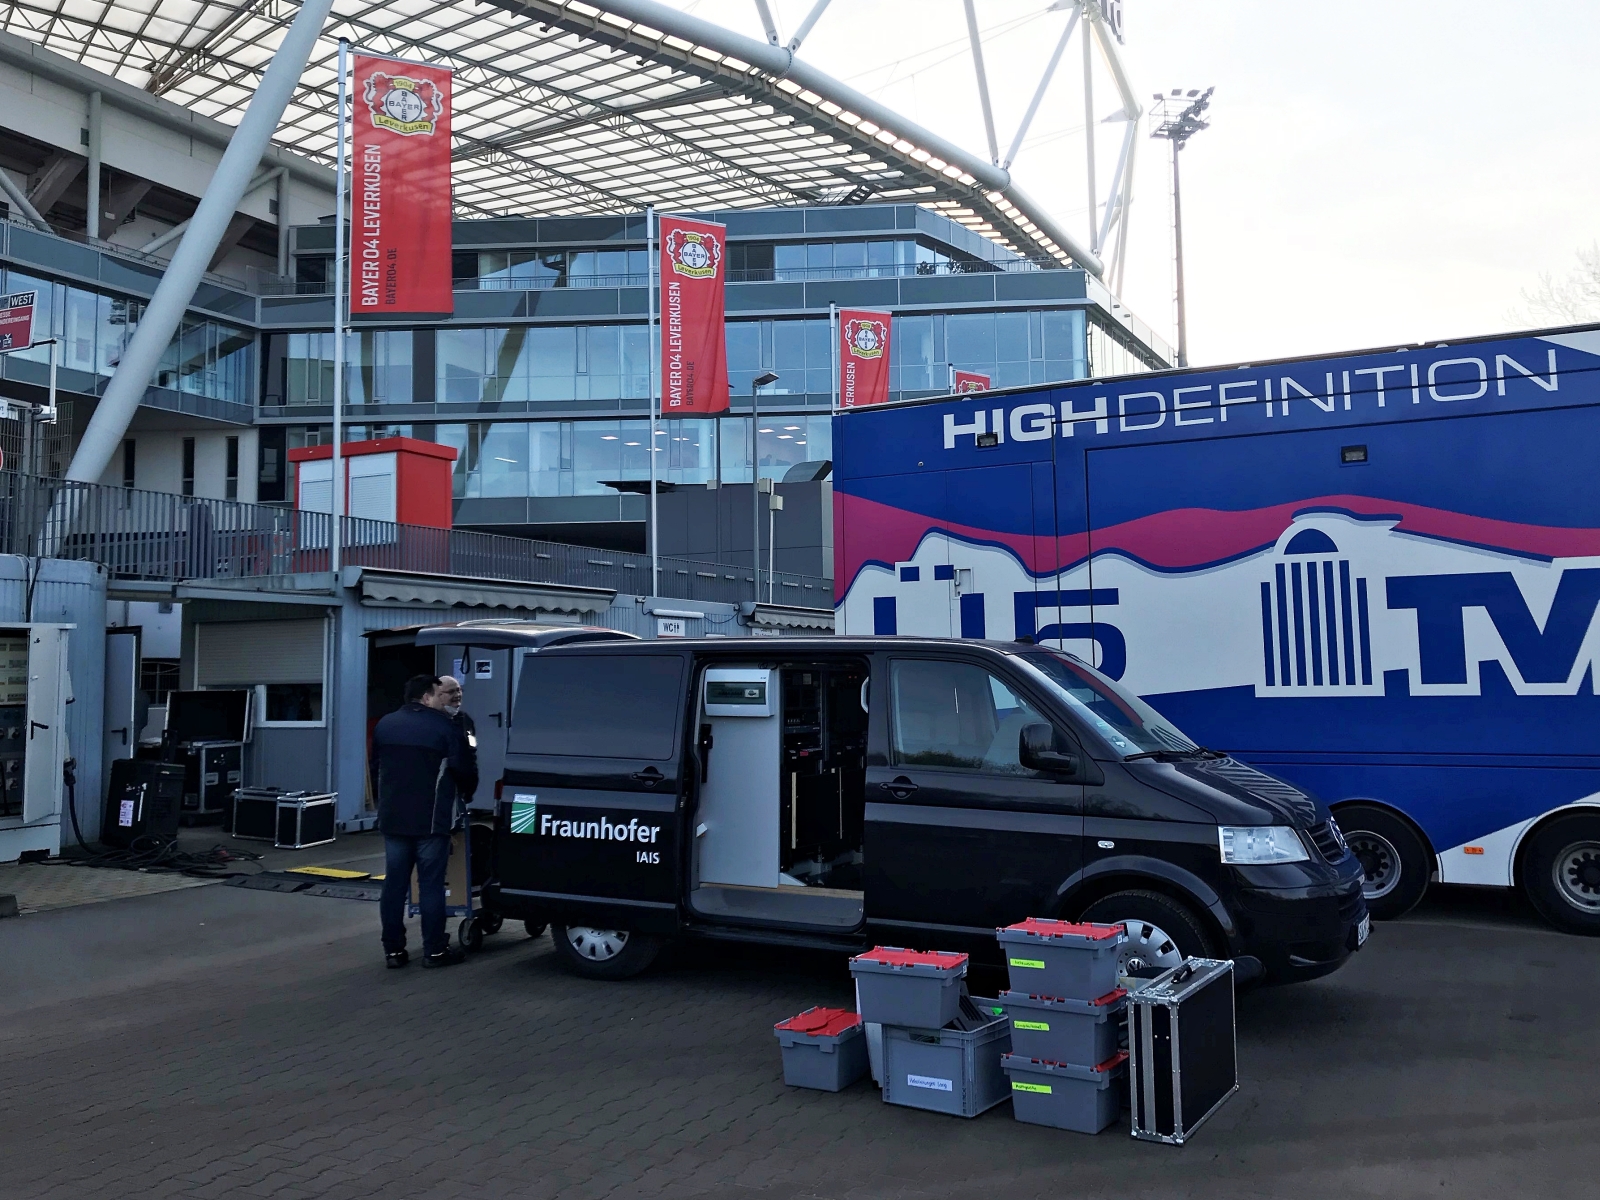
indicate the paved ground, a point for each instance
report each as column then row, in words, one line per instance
column 222, row 1042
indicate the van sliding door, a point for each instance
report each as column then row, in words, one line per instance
column 590, row 813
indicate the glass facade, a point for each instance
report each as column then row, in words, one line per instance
column 207, row 357
column 530, row 363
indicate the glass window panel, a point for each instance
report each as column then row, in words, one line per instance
column 788, row 349
column 819, row 257
column 911, row 346
column 789, row 260
column 504, row 458
column 1063, row 334
column 818, row 381
column 550, row 350
column 636, row 361
column 850, row 260
column 819, row 351
column 597, row 454
column 460, row 357
column 582, row 265
column 610, row 265
column 947, row 714
column 493, row 268
column 456, row 436
column 1011, row 337
column 969, row 338
column 881, row 254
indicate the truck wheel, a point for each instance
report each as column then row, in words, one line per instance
column 604, row 953
column 1561, row 873
column 1161, row 931
column 1394, row 861
column 534, row 928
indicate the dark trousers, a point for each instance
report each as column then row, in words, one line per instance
column 430, row 855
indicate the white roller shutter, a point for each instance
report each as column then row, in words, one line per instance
column 238, row 654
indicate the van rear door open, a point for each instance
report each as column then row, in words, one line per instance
column 594, row 772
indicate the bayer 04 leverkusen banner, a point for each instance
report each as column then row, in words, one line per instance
column 694, row 346
column 968, row 381
column 863, row 357
column 400, row 194
column 16, row 320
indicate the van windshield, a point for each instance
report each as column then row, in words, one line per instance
column 1128, row 724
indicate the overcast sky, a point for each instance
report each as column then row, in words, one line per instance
column 1375, row 174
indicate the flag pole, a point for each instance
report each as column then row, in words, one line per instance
column 833, row 355
column 336, row 553
column 655, row 395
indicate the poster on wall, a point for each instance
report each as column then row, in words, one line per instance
column 400, row 190
column 694, row 346
column 962, row 382
column 863, row 357
column 16, row 320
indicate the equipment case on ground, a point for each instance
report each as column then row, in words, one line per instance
column 1183, row 1058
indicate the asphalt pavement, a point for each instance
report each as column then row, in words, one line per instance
column 225, row 1042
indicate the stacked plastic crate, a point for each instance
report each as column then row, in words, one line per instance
column 941, row 1047
column 1065, row 1011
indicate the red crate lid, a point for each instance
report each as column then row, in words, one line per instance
column 821, row 1022
column 1111, row 1063
column 1110, row 997
column 1045, row 927
column 894, row 956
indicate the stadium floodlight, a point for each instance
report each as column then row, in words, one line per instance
column 1177, row 118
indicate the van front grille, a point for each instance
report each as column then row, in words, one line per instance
column 1329, row 841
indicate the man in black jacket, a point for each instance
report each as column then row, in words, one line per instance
column 419, row 764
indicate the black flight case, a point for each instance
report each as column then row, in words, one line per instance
column 1184, row 1061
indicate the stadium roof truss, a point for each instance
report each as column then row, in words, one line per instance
column 569, row 107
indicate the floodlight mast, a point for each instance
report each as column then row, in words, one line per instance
column 1177, row 118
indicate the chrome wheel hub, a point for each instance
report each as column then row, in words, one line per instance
column 1577, row 875
column 597, row 945
column 1380, row 863
column 1147, row 946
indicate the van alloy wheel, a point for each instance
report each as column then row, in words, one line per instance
column 597, row 945
column 1577, row 875
column 1148, row 945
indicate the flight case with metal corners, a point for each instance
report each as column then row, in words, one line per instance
column 1183, row 1058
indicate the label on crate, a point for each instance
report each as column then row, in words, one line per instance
column 1043, row 1088
column 932, row 1083
column 1027, row 962
column 1041, row 1026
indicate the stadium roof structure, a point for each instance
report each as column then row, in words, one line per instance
column 569, row 106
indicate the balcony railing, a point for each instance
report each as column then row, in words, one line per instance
column 159, row 536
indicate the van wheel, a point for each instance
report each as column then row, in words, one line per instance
column 1561, row 873
column 1395, row 863
column 1161, row 931
column 534, row 928
column 604, row 953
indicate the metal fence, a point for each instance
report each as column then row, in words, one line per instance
column 160, row 536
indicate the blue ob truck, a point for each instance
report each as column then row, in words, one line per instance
column 1375, row 575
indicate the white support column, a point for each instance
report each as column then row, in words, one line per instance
column 95, row 205
column 178, row 230
column 767, row 23
column 812, row 17
column 283, row 222
column 21, row 203
column 1114, row 197
column 183, row 274
column 983, row 81
column 1038, row 92
column 1088, row 133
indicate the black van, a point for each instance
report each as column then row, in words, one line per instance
column 844, row 791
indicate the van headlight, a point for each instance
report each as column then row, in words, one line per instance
column 1254, row 845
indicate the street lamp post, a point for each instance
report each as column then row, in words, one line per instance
column 1178, row 118
column 756, row 384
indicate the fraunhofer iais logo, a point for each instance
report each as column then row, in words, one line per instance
column 403, row 105
column 694, row 254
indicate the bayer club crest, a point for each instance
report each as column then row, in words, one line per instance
column 697, row 255
column 866, row 338
column 403, row 105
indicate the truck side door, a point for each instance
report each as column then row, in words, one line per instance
column 590, row 811
column 960, row 837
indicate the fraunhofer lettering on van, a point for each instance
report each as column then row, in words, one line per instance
column 602, row 830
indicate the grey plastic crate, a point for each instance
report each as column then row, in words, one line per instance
column 917, row 989
column 947, row 1070
column 1064, row 1096
column 1073, row 960
column 823, row 1048
column 1069, row 1031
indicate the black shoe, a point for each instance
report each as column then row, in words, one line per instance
column 396, row 958
column 448, row 957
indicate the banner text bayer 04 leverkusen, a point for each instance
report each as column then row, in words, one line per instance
column 400, row 202
column 863, row 357
column 694, row 347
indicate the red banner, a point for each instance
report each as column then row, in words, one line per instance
column 16, row 320
column 400, row 197
column 863, row 357
column 968, row 381
column 694, row 343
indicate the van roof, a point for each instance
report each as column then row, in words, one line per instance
column 787, row 647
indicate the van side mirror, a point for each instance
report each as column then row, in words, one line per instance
column 1036, row 750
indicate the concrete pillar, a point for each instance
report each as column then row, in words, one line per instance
column 95, row 205
column 206, row 228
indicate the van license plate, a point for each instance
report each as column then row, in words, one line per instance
column 1363, row 930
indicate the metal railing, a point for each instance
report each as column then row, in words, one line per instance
column 159, row 536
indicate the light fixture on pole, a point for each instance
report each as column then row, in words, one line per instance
column 1177, row 118
column 756, row 384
